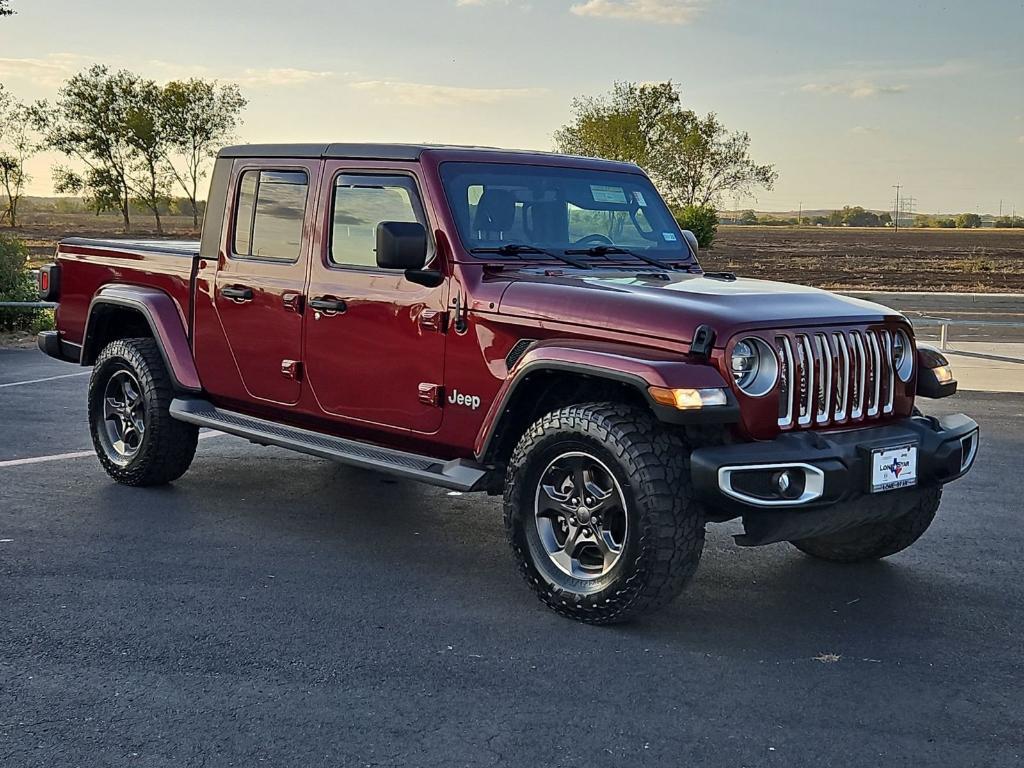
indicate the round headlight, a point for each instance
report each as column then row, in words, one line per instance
column 902, row 355
column 754, row 366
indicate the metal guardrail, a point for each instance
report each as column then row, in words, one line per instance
column 27, row 305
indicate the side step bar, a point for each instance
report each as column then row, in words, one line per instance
column 458, row 474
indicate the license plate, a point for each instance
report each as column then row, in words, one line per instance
column 893, row 468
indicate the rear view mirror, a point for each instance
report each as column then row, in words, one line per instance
column 401, row 245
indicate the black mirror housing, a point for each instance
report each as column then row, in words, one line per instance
column 401, row 245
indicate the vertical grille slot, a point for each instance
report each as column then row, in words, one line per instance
column 842, row 388
column 825, row 372
column 875, row 377
column 858, row 379
column 805, row 365
column 890, row 371
column 786, row 383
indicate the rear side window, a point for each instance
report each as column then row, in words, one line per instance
column 270, row 212
column 360, row 204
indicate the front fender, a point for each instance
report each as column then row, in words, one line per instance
column 637, row 367
column 165, row 321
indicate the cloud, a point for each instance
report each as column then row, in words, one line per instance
column 422, row 94
column 461, row 3
column 658, row 11
column 49, row 71
column 286, row 76
column 854, row 89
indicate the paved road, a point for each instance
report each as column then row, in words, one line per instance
column 270, row 609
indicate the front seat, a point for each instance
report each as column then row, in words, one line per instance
column 495, row 214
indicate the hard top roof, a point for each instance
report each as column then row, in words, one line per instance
column 400, row 152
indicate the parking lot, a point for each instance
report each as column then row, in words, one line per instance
column 273, row 609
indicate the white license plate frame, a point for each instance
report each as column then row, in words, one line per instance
column 893, row 467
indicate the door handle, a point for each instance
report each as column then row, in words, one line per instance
column 328, row 304
column 237, row 293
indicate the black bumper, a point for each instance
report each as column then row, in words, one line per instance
column 52, row 344
column 839, row 463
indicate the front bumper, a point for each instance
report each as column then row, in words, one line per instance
column 835, row 468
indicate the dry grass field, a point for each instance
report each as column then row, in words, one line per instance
column 836, row 258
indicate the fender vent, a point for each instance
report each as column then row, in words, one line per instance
column 517, row 351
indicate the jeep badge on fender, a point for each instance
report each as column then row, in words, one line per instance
column 636, row 399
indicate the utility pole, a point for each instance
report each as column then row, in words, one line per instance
column 896, row 218
column 800, row 216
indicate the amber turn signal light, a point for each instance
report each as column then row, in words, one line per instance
column 688, row 399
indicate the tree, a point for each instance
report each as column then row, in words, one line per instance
column 146, row 134
column 5, row 9
column 747, row 217
column 90, row 123
column 693, row 160
column 200, row 116
column 17, row 144
column 702, row 220
column 968, row 221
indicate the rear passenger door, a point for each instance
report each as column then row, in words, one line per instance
column 260, row 283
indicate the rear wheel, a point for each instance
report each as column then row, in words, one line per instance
column 137, row 441
column 877, row 540
column 600, row 514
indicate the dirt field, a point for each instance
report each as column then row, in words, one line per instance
column 979, row 260
column 868, row 259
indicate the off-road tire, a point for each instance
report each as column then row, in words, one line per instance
column 876, row 540
column 665, row 533
column 167, row 446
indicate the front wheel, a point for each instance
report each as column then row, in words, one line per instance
column 599, row 512
column 137, row 441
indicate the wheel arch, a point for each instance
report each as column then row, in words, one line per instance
column 124, row 311
column 554, row 375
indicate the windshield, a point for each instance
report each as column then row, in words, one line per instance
column 560, row 209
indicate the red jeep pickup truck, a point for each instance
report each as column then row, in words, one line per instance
column 513, row 322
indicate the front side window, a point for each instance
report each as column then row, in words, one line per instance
column 270, row 212
column 559, row 208
column 360, row 204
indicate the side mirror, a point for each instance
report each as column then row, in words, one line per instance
column 401, row 245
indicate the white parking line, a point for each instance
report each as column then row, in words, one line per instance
column 48, row 378
column 77, row 454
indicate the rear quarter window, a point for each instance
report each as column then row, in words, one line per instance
column 269, row 214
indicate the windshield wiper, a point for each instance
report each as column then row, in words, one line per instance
column 601, row 250
column 514, row 249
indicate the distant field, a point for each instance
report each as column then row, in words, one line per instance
column 836, row 258
column 974, row 260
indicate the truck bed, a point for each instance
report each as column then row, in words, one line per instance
column 88, row 264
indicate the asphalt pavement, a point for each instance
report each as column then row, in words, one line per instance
column 273, row 609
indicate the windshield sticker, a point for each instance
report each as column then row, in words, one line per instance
column 670, row 237
column 603, row 194
column 639, row 196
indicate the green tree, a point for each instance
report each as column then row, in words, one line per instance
column 17, row 144
column 5, row 8
column 693, row 160
column 199, row 117
column 90, row 123
column 747, row 217
column 702, row 220
column 968, row 221
column 147, row 135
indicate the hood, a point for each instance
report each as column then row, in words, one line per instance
column 672, row 309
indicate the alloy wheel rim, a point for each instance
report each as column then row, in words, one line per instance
column 124, row 415
column 581, row 517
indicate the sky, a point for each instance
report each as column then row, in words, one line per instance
column 846, row 99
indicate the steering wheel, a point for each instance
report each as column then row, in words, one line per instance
column 594, row 238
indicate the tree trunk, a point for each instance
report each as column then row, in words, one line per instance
column 159, row 225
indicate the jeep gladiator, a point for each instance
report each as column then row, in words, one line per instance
column 522, row 323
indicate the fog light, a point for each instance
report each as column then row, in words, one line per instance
column 783, row 482
column 689, row 399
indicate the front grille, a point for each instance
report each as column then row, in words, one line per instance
column 835, row 377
